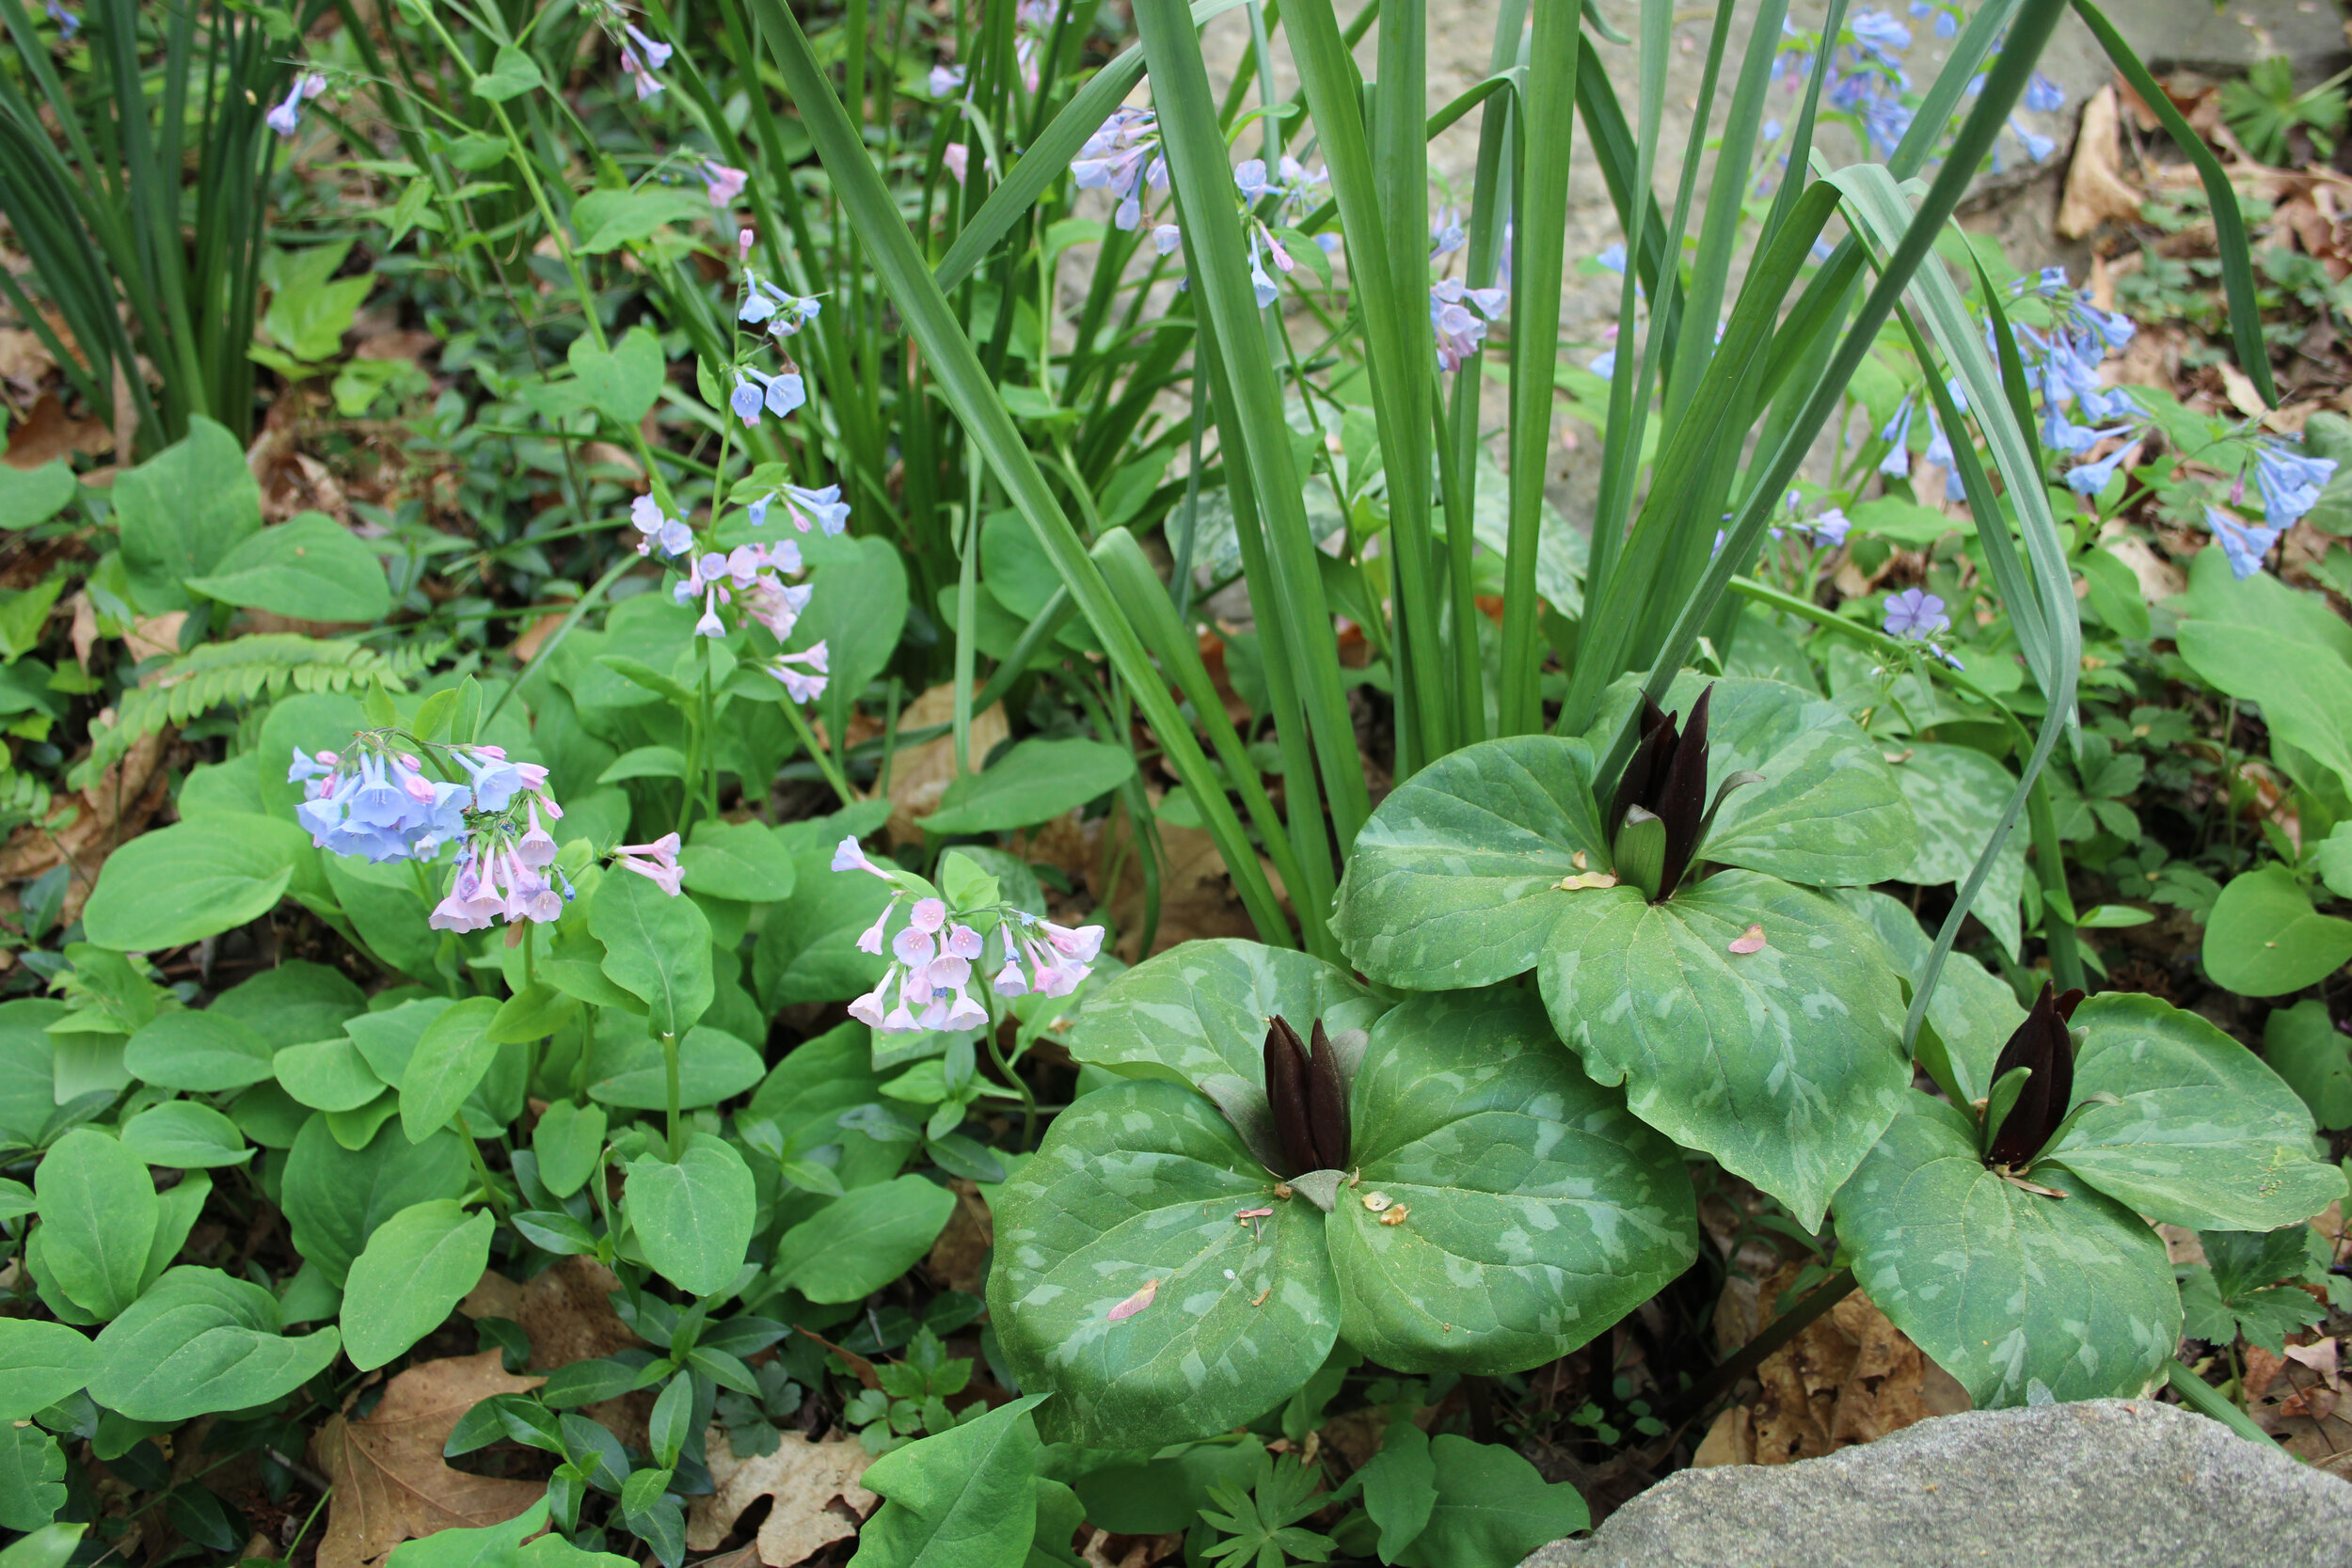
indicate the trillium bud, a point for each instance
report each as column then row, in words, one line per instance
column 1286, row 1092
column 2042, row 1047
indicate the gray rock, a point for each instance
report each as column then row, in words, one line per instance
column 2116, row 1483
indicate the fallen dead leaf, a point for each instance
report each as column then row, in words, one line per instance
column 960, row 1257
column 919, row 775
column 23, row 358
column 566, row 1311
column 46, row 434
column 2096, row 191
column 1849, row 1377
column 1197, row 898
column 391, row 1484
column 88, row 825
column 805, row 1479
column 526, row 647
column 156, row 636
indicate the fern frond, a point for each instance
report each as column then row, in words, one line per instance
column 239, row 672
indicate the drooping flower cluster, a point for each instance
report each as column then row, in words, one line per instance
column 1124, row 158
column 376, row 802
column 659, row 530
column 2289, row 482
column 1868, row 83
column 1452, row 321
column 506, row 871
column 641, row 57
column 723, row 183
column 932, row 957
column 67, row 22
column 286, row 118
column 757, row 391
column 746, row 577
column 823, row 510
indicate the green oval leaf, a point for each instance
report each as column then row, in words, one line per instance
column 693, row 1219
column 2016, row 1294
column 202, row 1341
column 1200, row 1010
column 186, row 1135
column 451, row 1055
column 621, row 382
column 1453, row 881
column 712, row 1065
column 2265, row 939
column 1536, row 1209
column 569, row 1141
column 328, row 1075
column 203, row 1053
column 409, row 1276
column 862, row 1240
column 738, row 860
column 1036, row 781
column 2205, row 1136
column 99, row 1216
column 334, row 1197
column 191, row 881
column 656, row 948
column 40, row 1363
column 1137, row 1186
column 1785, row 1064
column 311, row 568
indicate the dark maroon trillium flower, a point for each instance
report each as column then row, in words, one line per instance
column 2042, row 1045
column 1660, row 815
column 1309, row 1099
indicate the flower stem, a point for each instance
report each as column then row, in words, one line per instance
column 482, row 1170
column 670, row 1076
column 1749, row 1355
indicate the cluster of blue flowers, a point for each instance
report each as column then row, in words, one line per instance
column 1451, row 321
column 1868, row 81
column 2289, row 482
column 757, row 391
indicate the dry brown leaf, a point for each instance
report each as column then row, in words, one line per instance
column 960, row 1257
column 46, row 434
column 566, row 1312
column 1849, row 1377
column 391, row 1484
column 804, row 1477
column 23, row 358
column 89, row 825
column 2095, row 189
column 919, row 775
column 156, row 636
column 1196, row 898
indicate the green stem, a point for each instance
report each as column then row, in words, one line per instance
column 482, row 1170
column 2206, row 1400
column 1783, row 1329
column 825, row 762
column 669, row 1084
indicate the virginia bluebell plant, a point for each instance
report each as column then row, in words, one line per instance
column 932, row 957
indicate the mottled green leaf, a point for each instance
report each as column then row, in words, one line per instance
column 1137, row 1186
column 1828, row 813
column 1973, row 1011
column 1200, row 1008
column 2016, row 1294
column 1536, row 1211
column 1452, row 881
column 1957, row 795
column 1785, row 1064
column 2206, row 1135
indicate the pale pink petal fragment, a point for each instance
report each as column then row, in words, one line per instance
column 1749, row 940
column 1136, row 1303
